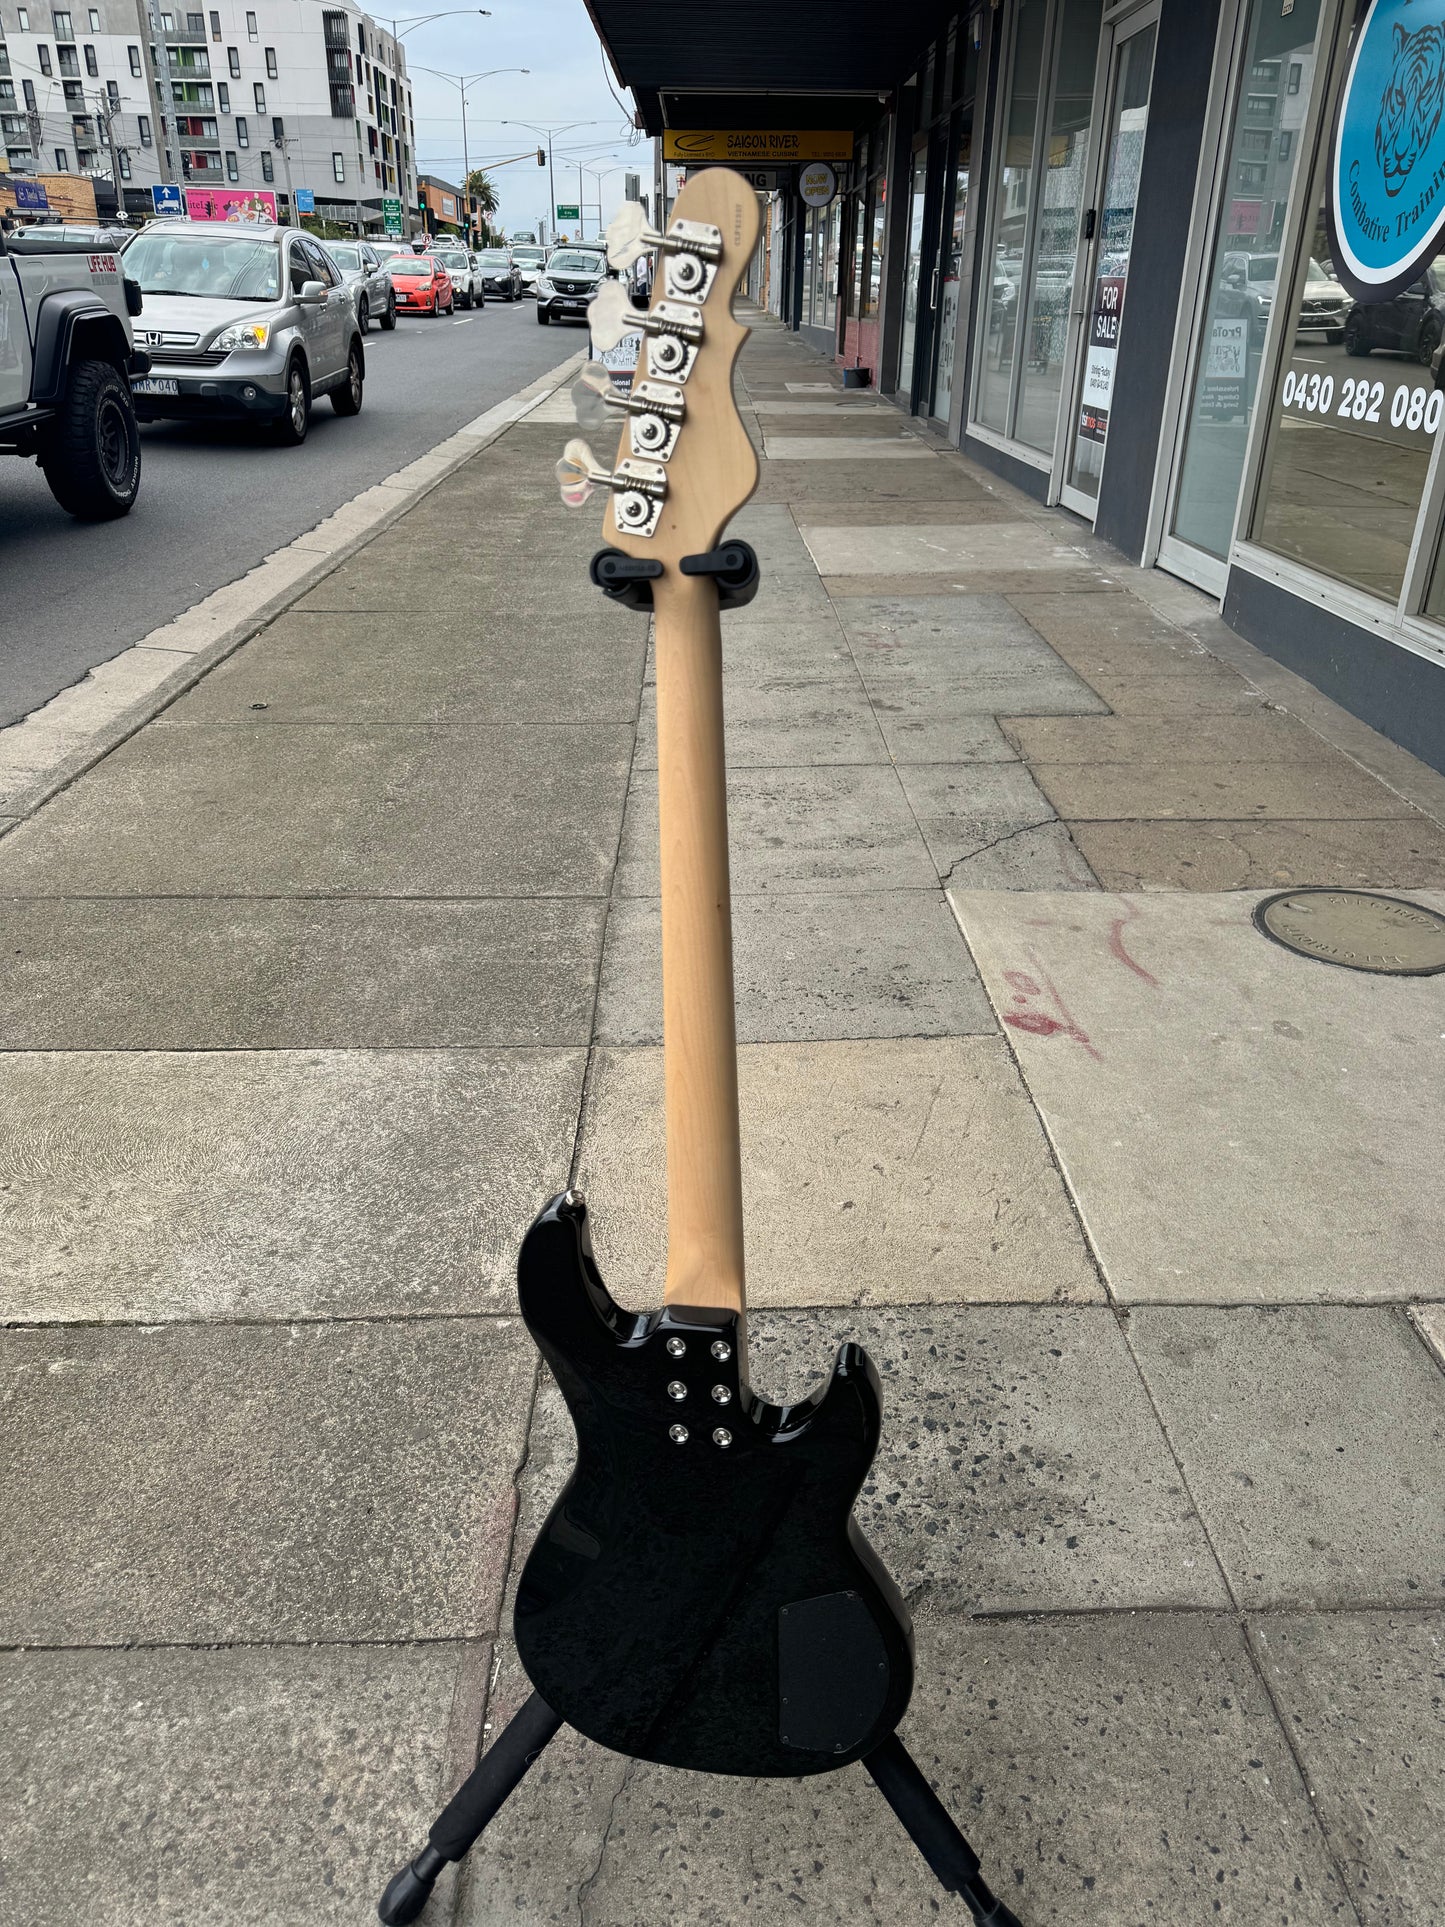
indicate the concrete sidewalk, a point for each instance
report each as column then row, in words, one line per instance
column 315, row 987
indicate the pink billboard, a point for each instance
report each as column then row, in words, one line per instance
column 230, row 204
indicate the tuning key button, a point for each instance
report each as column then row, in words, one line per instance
column 723, row 1437
column 722, row 1395
column 676, row 1347
column 676, row 1390
column 678, row 1434
column 721, row 1350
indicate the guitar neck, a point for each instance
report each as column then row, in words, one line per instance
column 704, row 1169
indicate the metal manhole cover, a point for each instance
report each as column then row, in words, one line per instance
column 1357, row 930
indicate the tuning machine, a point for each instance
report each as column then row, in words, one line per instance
column 638, row 487
column 673, row 328
column 691, row 251
column 654, row 409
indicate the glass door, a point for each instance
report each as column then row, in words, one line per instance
column 912, row 270
column 1126, row 124
column 950, row 269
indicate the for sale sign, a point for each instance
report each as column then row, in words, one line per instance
column 1102, row 357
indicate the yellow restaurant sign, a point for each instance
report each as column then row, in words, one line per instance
column 755, row 146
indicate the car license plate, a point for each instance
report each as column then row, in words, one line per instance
column 156, row 386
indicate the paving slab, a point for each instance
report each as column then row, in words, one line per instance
column 1118, row 632
column 1268, row 737
column 905, row 549
column 784, row 721
column 1004, row 582
column 1360, row 1693
column 1204, row 689
column 917, row 1166
column 1138, row 1780
column 772, row 652
column 275, row 1184
column 1021, row 1469
column 1313, row 1440
column 1329, row 785
column 279, row 973
column 1403, row 852
column 201, row 1789
column 877, row 424
column 995, row 853
column 844, row 448
column 1219, row 1105
column 186, row 1485
column 1429, row 1321
column 185, row 809
column 916, row 736
column 943, row 657
column 799, row 482
column 349, row 668
column 809, row 967
column 839, row 830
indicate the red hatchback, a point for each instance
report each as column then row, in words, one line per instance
column 422, row 284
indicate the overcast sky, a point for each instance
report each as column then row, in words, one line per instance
column 568, row 82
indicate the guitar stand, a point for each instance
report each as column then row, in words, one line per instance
column 521, row 1742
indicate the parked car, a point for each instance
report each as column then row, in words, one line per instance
column 467, row 284
column 384, row 250
column 530, row 263
column 243, row 324
column 363, row 273
column 422, row 284
column 67, row 359
column 1246, row 287
column 500, row 274
column 1412, row 324
column 569, row 281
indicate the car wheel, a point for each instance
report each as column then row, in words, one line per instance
column 1426, row 342
column 388, row 320
column 1356, row 343
column 90, row 453
column 346, row 399
column 543, row 316
column 291, row 429
column 1334, row 336
column 363, row 315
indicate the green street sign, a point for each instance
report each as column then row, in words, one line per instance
column 568, row 213
column 391, row 215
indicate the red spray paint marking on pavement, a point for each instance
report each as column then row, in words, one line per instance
column 1116, row 944
column 1039, row 1022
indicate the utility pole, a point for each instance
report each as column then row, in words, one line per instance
column 285, row 145
column 161, row 106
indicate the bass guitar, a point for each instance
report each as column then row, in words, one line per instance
column 700, row 1594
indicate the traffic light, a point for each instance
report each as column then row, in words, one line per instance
column 541, row 157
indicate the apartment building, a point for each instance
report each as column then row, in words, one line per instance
column 279, row 96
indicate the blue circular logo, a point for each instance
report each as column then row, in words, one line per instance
column 1386, row 200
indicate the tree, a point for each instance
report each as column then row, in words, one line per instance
column 481, row 197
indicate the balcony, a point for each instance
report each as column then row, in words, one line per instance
column 334, row 27
column 188, row 63
column 343, row 101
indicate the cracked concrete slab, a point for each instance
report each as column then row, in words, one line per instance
column 201, row 1788
column 197, row 1485
column 1219, row 1105
column 918, row 1166
column 889, row 964
column 904, row 549
column 275, row 1184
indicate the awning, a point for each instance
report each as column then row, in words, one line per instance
column 765, row 63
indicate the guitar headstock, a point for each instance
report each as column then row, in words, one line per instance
column 684, row 463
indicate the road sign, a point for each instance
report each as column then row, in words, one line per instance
column 305, row 201
column 166, row 199
column 32, row 195
column 568, row 211
column 391, row 215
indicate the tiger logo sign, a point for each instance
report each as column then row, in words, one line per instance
column 1386, row 183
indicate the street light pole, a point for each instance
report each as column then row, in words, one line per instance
column 461, row 82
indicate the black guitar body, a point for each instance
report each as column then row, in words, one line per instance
column 700, row 1594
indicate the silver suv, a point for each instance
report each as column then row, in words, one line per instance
column 243, row 323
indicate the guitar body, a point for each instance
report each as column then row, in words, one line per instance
column 704, row 1605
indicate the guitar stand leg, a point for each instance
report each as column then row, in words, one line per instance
column 475, row 1802
column 930, row 1826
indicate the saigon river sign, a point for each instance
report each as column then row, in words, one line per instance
column 1386, row 198
column 745, row 147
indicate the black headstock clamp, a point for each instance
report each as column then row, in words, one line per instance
column 628, row 579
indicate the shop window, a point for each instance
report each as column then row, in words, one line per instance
column 1243, row 270
column 1351, row 429
column 1058, row 220
column 1010, row 219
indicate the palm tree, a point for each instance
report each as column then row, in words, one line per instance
column 481, row 197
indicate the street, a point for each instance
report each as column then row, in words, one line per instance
column 214, row 499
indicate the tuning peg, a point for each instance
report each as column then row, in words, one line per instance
column 638, row 487
column 610, row 315
column 628, row 236
column 579, row 472
column 595, row 397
